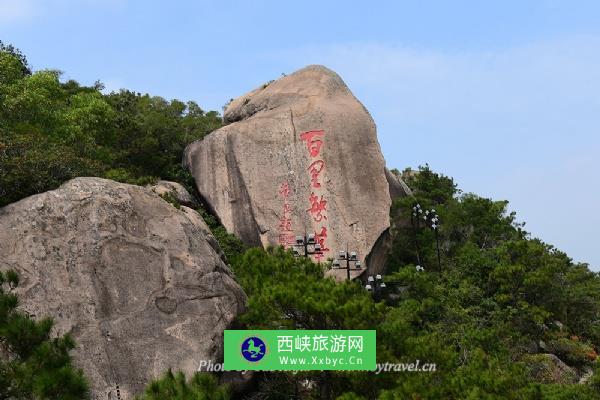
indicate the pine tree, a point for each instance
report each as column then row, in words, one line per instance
column 33, row 365
column 201, row 386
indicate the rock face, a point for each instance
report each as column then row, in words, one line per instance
column 299, row 154
column 377, row 258
column 548, row 368
column 138, row 283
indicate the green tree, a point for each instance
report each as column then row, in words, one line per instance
column 500, row 295
column 33, row 163
column 13, row 66
column 53, row 131
column 201, row 386
column 33, row 365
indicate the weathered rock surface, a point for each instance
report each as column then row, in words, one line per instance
column 179, row 193
column 299, row 155
column 138, row 283
column 548, row 368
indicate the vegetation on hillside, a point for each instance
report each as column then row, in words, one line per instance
column 52, row 131
column 501, row 304
column 33, row 365
column 175, row 387
column 494, row 315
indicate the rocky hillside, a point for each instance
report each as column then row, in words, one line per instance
column 145, row 263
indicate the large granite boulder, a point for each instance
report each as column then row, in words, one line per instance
column 139, row 284
column 299, row 154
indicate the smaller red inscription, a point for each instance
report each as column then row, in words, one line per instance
column 286, row 237
column 284, row 190
column 285, row 224
column 320, row 238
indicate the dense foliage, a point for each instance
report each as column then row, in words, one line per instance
column 52, row 131
column 502, row 303
column 176, row 387
column 33, row 365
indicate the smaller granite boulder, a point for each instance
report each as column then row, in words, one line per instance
column 174, row 191
column 397, row 186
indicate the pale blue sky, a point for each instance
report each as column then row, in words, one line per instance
column 503, row 96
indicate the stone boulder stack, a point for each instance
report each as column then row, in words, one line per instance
column 139, row 284
column 299, row 155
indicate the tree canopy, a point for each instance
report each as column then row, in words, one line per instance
column 502, row 302
column 52, row 131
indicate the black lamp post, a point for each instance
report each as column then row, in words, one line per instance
column 433, row 220
column 414, row 222
column 349, row 258
column 307, row 245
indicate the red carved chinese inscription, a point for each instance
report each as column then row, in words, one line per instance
column 314, row 170
column 317, row 208
column 320, row 238
column 284, row 190
column 286, row 236
column 318, row 203
column 313, row 141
